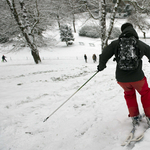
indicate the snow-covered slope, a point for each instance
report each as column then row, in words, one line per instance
column 95, row 118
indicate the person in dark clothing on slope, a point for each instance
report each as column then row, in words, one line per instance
column 130, row 80
column 94, row 57
column 4, row 58
column 85, row 57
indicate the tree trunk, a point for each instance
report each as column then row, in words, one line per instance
column 35, row 53
column 74, row 26
column 74, row 21
column 112, row 19
column 58, row 21
column 36, row 57
column 102, row 14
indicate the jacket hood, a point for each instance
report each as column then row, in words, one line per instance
column 128, row 32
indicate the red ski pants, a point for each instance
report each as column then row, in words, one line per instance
column 130, row 96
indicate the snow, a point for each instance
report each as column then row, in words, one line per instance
column 95, row 118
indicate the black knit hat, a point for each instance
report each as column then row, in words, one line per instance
column 125, row 25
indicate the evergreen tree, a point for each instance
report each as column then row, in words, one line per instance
column 66, row 34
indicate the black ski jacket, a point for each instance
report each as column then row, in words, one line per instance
column 111, row 49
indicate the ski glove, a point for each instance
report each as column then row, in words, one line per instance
column 99, row 68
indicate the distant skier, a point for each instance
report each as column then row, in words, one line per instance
column 128, row 51
column 94, row 57
column 4, row 58
column 85, row 57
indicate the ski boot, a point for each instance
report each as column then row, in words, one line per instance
column 136, row 120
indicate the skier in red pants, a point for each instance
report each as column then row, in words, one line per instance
column 128, row 51
column 130, row 96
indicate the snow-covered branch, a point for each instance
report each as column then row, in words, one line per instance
column 136, row 5
column 37, row 20
column 91, row 14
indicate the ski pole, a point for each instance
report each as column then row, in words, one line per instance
column 70, row 96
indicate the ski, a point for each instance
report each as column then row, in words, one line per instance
column 140, row 137
column 131, row 137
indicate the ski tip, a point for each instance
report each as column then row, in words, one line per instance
column 44, row 120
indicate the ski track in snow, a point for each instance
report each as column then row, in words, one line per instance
column 94, row 118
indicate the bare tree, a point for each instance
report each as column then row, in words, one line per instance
column 59, row 11
column 140, row 22
column 25, row 26
column 72, row 6
column 105, row 34
column 138, row 18
column 75, row 7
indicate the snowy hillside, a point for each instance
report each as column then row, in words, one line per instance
column 96, row 118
